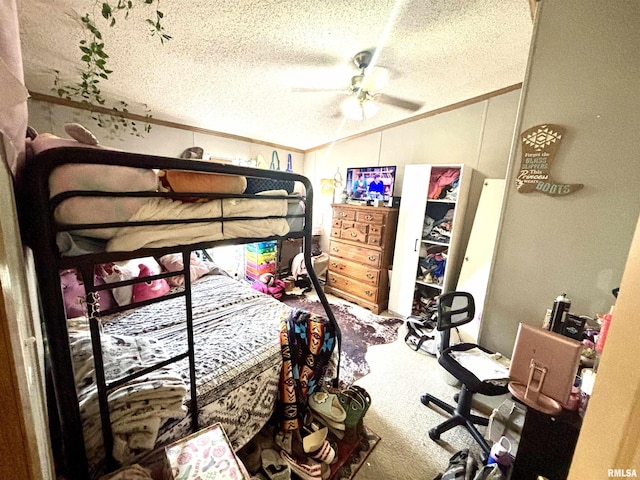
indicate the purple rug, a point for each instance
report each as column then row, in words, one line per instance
column 360, row 328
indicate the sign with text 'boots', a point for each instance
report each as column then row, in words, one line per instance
column 539, row 146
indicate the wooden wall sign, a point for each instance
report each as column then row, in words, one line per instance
column 539, row 146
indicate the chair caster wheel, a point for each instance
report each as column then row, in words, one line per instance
column 433, row 434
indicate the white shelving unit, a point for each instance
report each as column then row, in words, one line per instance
column 417, row 244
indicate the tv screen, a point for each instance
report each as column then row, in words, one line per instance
column 370, row 183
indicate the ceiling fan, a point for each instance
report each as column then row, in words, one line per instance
column 364, row 95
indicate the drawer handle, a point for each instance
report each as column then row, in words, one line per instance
column 373, row 258
column 333, row 279
column 353, row 234
column 368, row 292
column 370, row 276
column 343, row 214
column 334, row 264
column 368, row 217
column 335, row 249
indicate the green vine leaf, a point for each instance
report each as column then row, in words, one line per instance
column 94, row 58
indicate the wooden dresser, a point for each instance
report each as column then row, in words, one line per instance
column 360, row 253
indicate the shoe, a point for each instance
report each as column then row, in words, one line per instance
column 251, row 456
column 284, row 440
column 325, row 454
column 356, row 404
column 315, row 444
column 328, row 406
column 311, row 470
column 337, row 429
column 274, row 465
column 312, row 439
column 364, row 395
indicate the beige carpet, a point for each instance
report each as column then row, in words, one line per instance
column 397, row 379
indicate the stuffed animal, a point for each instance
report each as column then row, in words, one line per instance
column 151, row 289
column 80, row 137
column 74, row 294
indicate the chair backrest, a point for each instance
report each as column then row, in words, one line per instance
column 453, row 309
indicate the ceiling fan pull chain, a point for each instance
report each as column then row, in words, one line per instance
column 289, row 163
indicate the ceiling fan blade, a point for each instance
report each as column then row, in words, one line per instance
column 320, row 89
column 397, row 102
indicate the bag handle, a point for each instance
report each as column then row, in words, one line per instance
column 274, row 158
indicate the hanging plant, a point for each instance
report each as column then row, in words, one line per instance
column 87, row 89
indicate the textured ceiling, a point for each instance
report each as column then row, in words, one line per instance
column 236, row 66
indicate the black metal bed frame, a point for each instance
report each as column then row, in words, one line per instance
column 39, row 230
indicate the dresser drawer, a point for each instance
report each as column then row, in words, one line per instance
column 363, row 255
column 371, row 217
column 344, row 213
column 357, row 271
column 354, row 234
column 374, row 240
column 376, row 230
column 349, row 285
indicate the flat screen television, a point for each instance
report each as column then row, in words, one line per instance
column 370, row 183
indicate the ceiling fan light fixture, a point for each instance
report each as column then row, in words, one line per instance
column 359, row 109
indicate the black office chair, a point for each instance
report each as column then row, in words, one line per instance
column 455, row 309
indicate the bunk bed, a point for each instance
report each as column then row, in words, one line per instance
column 209, row 346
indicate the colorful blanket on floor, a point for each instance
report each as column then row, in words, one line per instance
column 307, row 341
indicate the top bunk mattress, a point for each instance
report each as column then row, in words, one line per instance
column 103, row 200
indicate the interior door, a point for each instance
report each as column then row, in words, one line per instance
column 476, row 267
column 413, row 204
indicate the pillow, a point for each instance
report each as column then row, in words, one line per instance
column 109, row 178
column 74, row 295
column 173, row 263
column 201, row 182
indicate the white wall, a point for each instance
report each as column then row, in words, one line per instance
column 584, row 74
column 161, row 140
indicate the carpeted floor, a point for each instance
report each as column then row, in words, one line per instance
column 398, row 377
column 360, row 329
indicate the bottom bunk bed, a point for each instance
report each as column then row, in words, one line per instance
column 238, row 362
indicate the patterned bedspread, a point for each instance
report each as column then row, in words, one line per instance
column 237, row 352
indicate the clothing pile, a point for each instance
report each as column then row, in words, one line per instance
column 424, row 304
column 432, row 267
column 444, row 184
column 439, row 230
